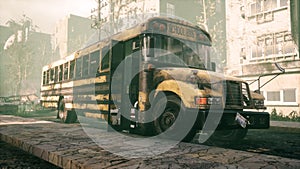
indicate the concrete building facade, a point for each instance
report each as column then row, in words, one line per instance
column 258, row 36
column 71, row 33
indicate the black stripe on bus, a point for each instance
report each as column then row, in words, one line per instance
column 102, row 92
column 86, row 101
column 54, row 92
column 53, row 101
column 92, row 87
column 82, row 111
column 49, row 101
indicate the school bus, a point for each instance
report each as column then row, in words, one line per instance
column 150, row 77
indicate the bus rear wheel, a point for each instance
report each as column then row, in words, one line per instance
column 65, row 115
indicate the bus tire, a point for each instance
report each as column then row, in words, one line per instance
column 65, row 115
column 229, row 135
column 144, row 129
column 169, row 116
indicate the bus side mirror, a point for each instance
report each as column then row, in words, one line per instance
column 213, row 66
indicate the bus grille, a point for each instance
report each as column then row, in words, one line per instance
column 233, row 94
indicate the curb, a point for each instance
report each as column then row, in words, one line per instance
column 287, row 124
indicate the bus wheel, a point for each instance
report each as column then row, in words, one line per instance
column 168, row 117
column 65, row 115
column 229, row 135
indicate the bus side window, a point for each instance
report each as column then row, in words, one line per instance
column 78, row 67
column 47, row 76
column 60, row 73
column 72, row 67
column 85, row 66
column 52, row 73
column 105, row 58
column 56, row 74
column 44, row 77
column 66, row 71
column 94, row 62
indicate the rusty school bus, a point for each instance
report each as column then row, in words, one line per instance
column 151, row 79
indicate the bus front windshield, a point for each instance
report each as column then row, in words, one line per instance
column 171, row 51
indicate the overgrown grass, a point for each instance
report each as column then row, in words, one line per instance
column 293, row 116
column 36, row 113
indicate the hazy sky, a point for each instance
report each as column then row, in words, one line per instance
column 44, row 13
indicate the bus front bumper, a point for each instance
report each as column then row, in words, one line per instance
column 227, row 119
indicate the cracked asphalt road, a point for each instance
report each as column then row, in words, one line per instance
column 278, row 141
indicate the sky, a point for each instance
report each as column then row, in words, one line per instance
column 44, row 13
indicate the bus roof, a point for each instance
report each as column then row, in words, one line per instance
column 138, row 29
column 178, row 26
column 60, row 61
column 144, row 27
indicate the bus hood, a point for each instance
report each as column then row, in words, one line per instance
column 191, row 75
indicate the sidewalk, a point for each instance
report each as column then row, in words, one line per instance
column 69, row 146
column 285, row 124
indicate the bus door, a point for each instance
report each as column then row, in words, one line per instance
column 124, row 83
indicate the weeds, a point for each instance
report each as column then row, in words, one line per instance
column 293, row 116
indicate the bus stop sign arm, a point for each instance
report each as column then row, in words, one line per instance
column 282, row 70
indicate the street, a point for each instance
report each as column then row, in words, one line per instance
column 284, row 142
column 276, row 141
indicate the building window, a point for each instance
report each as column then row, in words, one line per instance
column 281, row 97
column 269, row 4
column 269, row 45
column 273, row 96
column 258, row 50
column 261, row 6
column 243, row 55
column 289, row 95
column 283, row 3
column 170, row 9
column 273, row 45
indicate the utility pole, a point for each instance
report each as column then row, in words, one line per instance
column 96, row 16
column 99, row 17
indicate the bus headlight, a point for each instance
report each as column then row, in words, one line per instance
column 259, row 104
column 208, row 100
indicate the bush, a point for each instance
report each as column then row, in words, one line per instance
column 293, row 116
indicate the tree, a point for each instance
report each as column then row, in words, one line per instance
column 120, row 14
column 212, row 19
column 24, row 56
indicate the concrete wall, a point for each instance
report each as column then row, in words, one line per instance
column 71, row 33
column 244, row 33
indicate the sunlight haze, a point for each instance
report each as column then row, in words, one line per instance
column 43, row 13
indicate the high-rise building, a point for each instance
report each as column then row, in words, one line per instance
column 71, row 33
column 260, row 46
